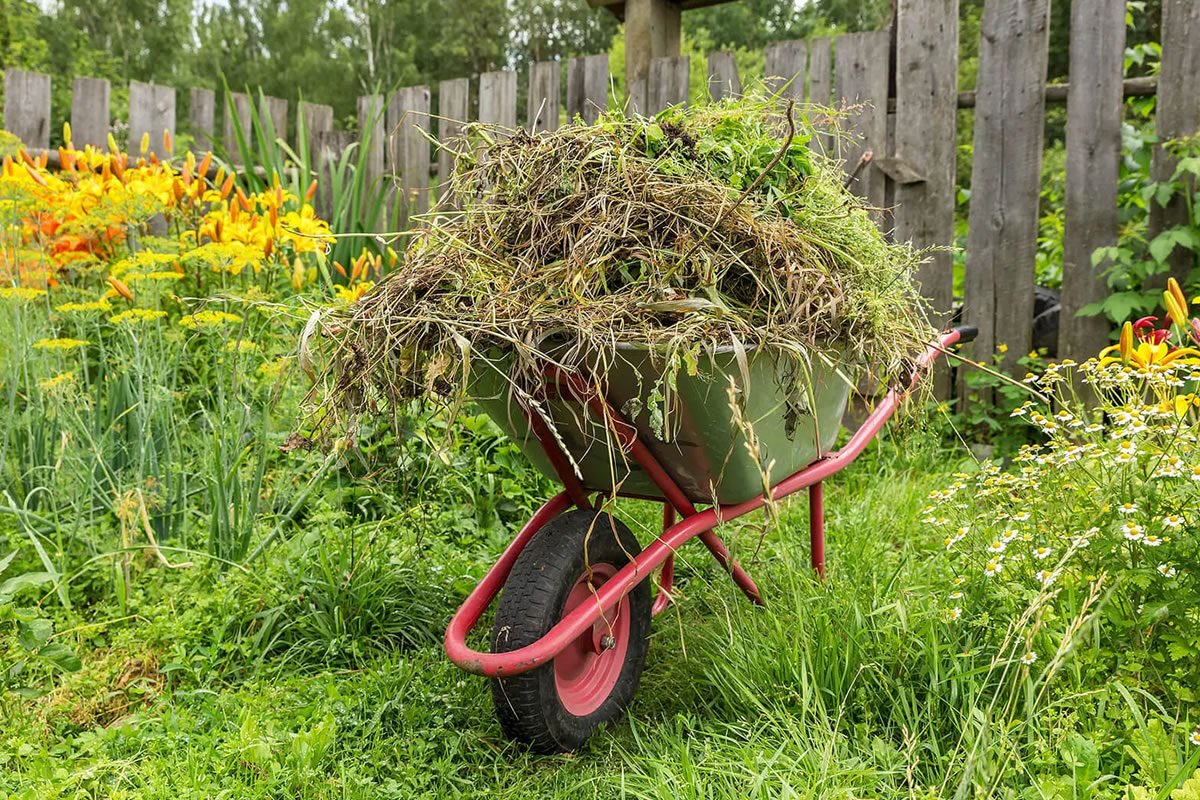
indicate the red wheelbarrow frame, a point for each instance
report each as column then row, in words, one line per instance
column 660, row 552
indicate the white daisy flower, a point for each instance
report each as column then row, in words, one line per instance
column 953, row 614
column 1127, row 508
column 1021, row 516
column 992, row 569
column 1195, row 738
column 955, row 595
column 1029, row 658
column 996, row 547
column 1172, row 520
column 1041, row 552
column 1133, row 531
column 1152, row 541
column 1166, row 570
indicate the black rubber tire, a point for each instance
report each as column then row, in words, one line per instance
column 534, row 595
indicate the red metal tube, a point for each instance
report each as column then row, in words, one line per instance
column 816, row 526
column 585, row 615
column 666, row 578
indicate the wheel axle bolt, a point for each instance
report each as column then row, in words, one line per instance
column 607, row 642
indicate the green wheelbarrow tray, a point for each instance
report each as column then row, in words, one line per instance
column 794, row 411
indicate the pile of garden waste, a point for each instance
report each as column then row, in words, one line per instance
column 709, row 227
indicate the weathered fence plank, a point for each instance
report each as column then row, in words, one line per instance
column 1178, row 114
column 201, row 117
column 313, row 119
column 924, row 131
column 1006, row 175
column 785, row 69
column 90, row 99
column 587, row 87
column 453, row 107
column 544, row 104
column 371, row 117
column 408, row 124
column 860, row 87
column 151, row 111
column 276, row 109
column 27, row 107
column 820, row 82
column 237, row 105
column 723, row 80
column 668, row 83
column 328, row 146
column 1094, row 111
column 498, row 98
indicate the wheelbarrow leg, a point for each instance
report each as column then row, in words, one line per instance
column 816, row 526
column 667, row 577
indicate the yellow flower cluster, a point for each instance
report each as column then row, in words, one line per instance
column 84, row 213
column 208, row 318
column 136, row 315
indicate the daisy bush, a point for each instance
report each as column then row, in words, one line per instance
column 1083, row 551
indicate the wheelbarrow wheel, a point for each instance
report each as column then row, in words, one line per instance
column 555, row 707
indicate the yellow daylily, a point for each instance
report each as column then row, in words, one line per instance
column 1148, row 354
column 1176, row 304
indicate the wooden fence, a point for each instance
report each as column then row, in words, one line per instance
column 903, row 81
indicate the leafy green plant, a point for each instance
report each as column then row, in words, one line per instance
column 32, row 632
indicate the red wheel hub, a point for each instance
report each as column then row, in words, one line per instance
column 587, row 670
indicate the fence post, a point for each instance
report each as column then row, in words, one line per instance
column 785, row 69
column 498, row 98
column 328, row 146
column 151, row 111
column 543, row 106
column 453, row 96
column 1094, row 110
column 1177, row 114
column 860, row 79
column 587, row 87
column 314, row 119
column 237, row 105
column 1006, row 175
column 201, row 115
column 27, row 107
column 668, row 83
column 723, row 80
column 371, row 138
column 407, row 124
column 924, row 130
column 820, row 85
column 276, row 109
column 90, row 99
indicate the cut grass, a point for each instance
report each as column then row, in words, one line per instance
column 838, row 689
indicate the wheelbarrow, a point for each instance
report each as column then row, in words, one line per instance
column 571, row 629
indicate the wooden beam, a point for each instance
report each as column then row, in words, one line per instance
column 617, row 7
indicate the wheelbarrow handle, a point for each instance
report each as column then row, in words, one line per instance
column 967, row 333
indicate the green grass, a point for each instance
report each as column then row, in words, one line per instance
column 847, row 688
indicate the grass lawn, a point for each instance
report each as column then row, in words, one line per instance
column 834, row 689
